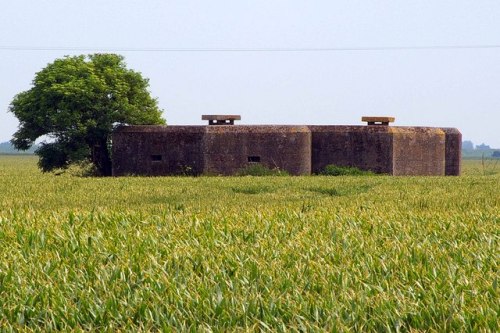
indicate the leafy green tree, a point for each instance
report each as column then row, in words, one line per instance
column 77, row 102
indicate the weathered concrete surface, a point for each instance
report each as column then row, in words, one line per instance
column 453, row 152
column 223, row 149
column 228, row 149
column 363, row 147
column 158, row 150
column 418, row 151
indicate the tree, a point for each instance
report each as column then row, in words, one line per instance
column 467, row 145
column 77, row 102
column 483, row 146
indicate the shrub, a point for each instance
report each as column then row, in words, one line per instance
column 79, row 169
column 335, row 170
column 261, row 170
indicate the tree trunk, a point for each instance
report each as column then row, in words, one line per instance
column 101, row 158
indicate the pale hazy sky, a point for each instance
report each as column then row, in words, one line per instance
column 431, row 87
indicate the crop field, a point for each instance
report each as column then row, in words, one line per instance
column 314, row 253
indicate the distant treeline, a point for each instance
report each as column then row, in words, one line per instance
column 7, row 148
column 469, row 150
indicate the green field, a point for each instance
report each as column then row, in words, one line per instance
column 314, row 253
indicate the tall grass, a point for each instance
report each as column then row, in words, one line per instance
column 247, row 253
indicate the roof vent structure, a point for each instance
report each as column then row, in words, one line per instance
column 381, row 121
column 220, row 119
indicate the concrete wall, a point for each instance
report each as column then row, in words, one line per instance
column 228, row 149
column 363, row 147
column 158, row 150
column 418, row 151
column 453, row 152
column 225, row 149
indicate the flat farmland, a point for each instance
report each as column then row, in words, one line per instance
column 315, row 253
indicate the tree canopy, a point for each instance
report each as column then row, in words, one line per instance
column 76, row 102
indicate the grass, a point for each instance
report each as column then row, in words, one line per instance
column 482, row 167
column 268, row 253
